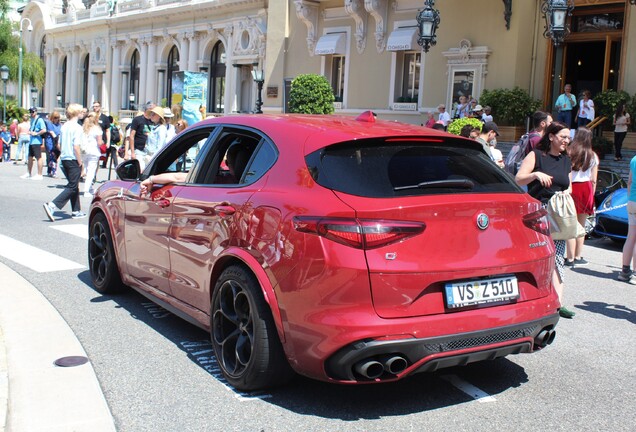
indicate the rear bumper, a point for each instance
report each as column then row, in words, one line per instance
column 430, row 354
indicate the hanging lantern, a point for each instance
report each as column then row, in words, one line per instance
column 427, row 23
column 556, row 13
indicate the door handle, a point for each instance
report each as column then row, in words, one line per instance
column 224, row 210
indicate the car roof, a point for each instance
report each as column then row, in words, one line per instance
column 317, row 131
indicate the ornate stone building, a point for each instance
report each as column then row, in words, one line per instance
column 125, row 52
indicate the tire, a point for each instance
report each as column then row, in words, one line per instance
column 102, row 262
column 244, row 337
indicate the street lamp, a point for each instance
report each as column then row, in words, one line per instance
column 259, row 79
column 34, row 96
column 29, row 28
column 58, row 97
column 427, row 23
column 555, row 13
column 131, row 101
column 4, row 75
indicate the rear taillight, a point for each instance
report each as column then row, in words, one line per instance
column 358, row 233
column 538, row 221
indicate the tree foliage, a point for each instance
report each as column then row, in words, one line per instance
column 311, row 94
column 32, row 65
column 510, row 107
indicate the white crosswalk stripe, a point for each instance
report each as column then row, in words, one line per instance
column 78, row 230
column 34, row 258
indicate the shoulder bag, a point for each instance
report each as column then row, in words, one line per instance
column 562, row 216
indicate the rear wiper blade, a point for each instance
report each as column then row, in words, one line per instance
column 440, row 184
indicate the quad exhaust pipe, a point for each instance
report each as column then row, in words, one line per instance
column 545, row 337
column 373, row 368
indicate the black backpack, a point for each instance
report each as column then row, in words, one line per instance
column 115, row 136
column 517, row 153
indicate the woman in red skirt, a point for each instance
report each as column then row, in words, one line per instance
column 584, row 173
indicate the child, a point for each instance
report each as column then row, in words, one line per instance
column 5, row 137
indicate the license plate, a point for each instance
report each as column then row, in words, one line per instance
column 481, row 291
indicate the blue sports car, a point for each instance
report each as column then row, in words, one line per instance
column 611, row 216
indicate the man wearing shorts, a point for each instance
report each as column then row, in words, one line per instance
column 36, row 144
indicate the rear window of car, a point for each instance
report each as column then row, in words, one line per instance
column 384, row 168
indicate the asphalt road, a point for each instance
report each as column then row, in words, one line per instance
column 158, row 372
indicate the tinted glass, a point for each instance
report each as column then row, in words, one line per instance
column 263, row 160
column 376, row 168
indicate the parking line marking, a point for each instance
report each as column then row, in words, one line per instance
column 472, row 391
column 78, row 230
column 34, row 258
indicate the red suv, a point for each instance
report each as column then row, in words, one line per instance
column 345, row 249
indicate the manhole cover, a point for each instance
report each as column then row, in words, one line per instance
column 71, row 361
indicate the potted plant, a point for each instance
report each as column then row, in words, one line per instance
column 510, row 109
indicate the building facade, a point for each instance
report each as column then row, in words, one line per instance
column 125, row 52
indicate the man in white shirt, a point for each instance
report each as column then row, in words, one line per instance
column 444, row 117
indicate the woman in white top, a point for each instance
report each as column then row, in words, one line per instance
column 586, row 109
column 621, row 123
column 91, row 141
column 584, row 173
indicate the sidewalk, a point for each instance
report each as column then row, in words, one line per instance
column 35, row 394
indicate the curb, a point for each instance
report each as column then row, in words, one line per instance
column 4, row 384
column 37, row 394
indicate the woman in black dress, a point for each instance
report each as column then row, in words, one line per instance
column 546, row 170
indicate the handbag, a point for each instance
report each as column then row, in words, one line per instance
column 564, row 224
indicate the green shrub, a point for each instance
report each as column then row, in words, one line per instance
column 631, row 109
column 13, row 110
column 456, row 126
column 311, row 94
column 510, row 107
column 606, row 101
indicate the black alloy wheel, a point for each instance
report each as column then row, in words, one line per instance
column 244, row 336
column 101, row 257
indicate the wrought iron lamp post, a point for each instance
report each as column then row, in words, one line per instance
column 131, row 101
column 4, row 75
column 259, row 79
column 427, row 22
column 556, row 13
column 58, row 97
column 29, row 28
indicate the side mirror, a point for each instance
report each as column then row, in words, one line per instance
column 128, row 170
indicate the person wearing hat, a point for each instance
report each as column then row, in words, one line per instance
column 140, row 129
column 170, row 127
column 156, row 137
column 477, row 112
column 444, row 117
column 489, row 131
column 37, row 129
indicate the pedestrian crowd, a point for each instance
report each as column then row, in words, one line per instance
column 84, row 141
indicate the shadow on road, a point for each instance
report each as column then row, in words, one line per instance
column 615, row 311
column 415, row 394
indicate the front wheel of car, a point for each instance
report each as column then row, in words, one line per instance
column 244, row 337
column 101, row 257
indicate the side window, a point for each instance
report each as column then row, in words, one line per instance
column 181, row 155
column 265, row 157
column 231, row 154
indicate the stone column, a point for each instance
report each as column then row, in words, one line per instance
column 143, row 72
column 184, row 51
column 193, row 52
column 72, row 82
column 115, row 74
column 151, row 73
column 49, row 86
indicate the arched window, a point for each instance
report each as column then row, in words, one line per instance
column 173, row 66
column 64, row 80
column 85, row 84
column 134, row 77
column 216, row 82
